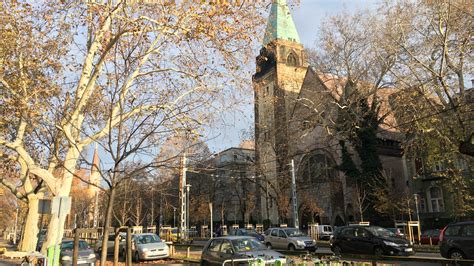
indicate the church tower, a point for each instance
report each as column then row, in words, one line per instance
column 281, row 69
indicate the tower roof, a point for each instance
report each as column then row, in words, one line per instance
column 280, row 24
column 95, row 160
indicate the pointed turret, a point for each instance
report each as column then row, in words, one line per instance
column 280, row 24
column 95, row 174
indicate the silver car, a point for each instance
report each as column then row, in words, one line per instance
column 288, row 238
column 238, row 250
column 149, row 247
column 111, row 243
column 86, row 254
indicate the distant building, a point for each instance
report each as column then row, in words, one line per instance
column 228, row 181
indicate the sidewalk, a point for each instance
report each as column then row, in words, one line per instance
column 4, row 261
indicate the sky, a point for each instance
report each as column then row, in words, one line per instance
column 307, row 15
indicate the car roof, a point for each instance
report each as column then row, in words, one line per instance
column 233, row 237
column 145, row 234
column 462, row 223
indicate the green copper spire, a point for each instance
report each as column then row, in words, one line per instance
column 280, row 25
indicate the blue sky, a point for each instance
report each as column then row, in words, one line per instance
column 307, row 15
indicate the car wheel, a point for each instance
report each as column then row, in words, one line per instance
column 137, row 257
column 269, row 245
column 456, row 255
column 203, row 263
column 291, row 247
column 337, row 250
column 378, row 251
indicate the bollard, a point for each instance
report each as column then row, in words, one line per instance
column 431, row 242
column 188, row 251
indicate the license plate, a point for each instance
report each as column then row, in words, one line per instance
column 81, row 261
column 408, row 250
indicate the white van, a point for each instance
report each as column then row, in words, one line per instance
column 325, row 231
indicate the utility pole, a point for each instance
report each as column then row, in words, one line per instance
column 182, row 198
column 161, row 211
column 174, row 216
column 293, row 192
column 187, row 211
column 210, row 210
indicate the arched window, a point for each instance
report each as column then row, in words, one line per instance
column 292, row 60
column 317, row 167
column 436, row 199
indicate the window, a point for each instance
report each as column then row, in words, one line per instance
column 281, row 233
column 266, row 136
column 436, row 199
column 349, row 232
column 421, row 202
column 226, row 247
column 214, row 246
column 360, row 232
column 275, row 232
column 305, row 124
column 468, row 230
column 452, row 230
column 317, row 168
column 266, row 91
column 439, row 166
column 292, row 60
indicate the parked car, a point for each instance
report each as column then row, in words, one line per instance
column 289, row 238
column 248, row 232
column 456, row 241
column 148, row 247
column 111, row 243
column 370, row 240
column 325, row 231
column 86, row 254
column 220, row 249
column 426, row 235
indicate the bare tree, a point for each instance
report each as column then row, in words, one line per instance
column 138, row 61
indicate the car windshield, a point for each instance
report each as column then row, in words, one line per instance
column 247, row 244
column 69, row 245
column 292, row 232
column 379, row 231
column 146, row 239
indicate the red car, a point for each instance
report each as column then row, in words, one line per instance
column 433, row 234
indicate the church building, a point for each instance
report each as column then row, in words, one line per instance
column 287, row 91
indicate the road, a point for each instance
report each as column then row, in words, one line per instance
column 424, row 255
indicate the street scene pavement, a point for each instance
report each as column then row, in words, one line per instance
column 209, row 131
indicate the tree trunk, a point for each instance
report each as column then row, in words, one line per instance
column 56, row 223
column 108, row 219
column 55, row 232
column 30, row 233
